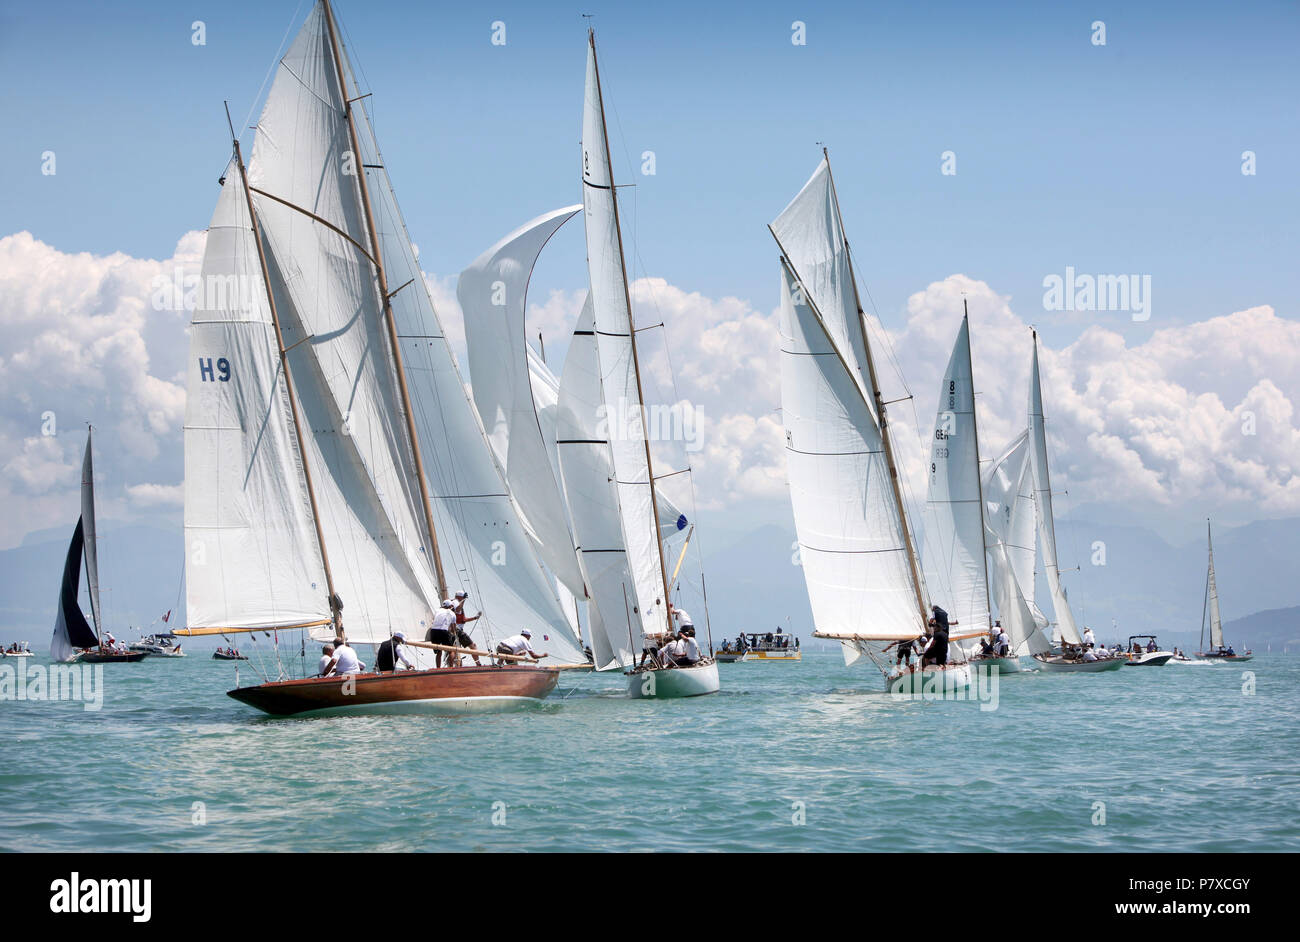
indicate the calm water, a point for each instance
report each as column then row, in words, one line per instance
column 1181, row 758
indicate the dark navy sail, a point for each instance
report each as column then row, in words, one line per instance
column 71, row 630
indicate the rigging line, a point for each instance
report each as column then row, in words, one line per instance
column 275, row 64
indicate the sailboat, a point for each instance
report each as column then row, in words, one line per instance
column 333, row 457
column 1010, row 518
column 1217, row 650
column 639, row 568
column 74, row 639
column 955, row 551
column 855, row 543
column 1065, row 624
column 546, row 435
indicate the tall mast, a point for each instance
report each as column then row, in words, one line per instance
column 880, row 411
column 288, row 378
column 979, row 475
column 377, row 258
column 631, row 332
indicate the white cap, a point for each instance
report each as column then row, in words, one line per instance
column 399, row 634
column 448, row 603
column 526, row 633
column 462, row 594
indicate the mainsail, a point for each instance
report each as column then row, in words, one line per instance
column 1043, row 500
column 862, row 576
column 586, row 465
column 953, row 553
column 1212, row 596
column 91, row 549
column 623, row 418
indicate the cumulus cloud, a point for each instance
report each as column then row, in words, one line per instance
column 1199, row 414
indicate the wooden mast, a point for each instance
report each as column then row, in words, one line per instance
column 880, row 411
column 631, row 332
column 979, row 475
column 288, row 379
column 377, row 260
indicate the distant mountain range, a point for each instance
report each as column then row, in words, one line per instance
column 1146, row 584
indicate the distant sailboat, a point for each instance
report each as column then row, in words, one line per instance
column 855, row 544
column 1065, row 624
column 74, row 639
column 1218, row 650
column 645, row 583
column 313, row 385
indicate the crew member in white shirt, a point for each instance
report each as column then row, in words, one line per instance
column 1088, row 636
column 692, row 652
column 326, row 661
column 1003, row 646
column 673, row 652
column 519, row 646
column 346, row 660
column 443, row 630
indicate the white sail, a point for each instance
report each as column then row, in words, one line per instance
column 586, row 466
column 485, row 547
column 673, row 523
column 251, row 553
column 309, row 203
column 1212, row 594
column 493, row 294
column 1011, row 513
column 953, row 553
column 91, row 548
column 1043, row 500
column 622, row 419
column 851, row 544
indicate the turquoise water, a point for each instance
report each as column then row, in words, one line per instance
column 1182, row 759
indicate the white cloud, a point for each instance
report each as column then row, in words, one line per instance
column 1163, row 422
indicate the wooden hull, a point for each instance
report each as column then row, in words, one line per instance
column 440, row 690
column 673, row 683
column 1053, row 663
column 98, row 657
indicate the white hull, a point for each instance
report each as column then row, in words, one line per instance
column 19, row 654
column 1150, row 659
column 1003, row 665
column 947, row 679
column 1083, row 667
column 670, row 683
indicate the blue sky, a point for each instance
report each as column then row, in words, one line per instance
column 1120, row 159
